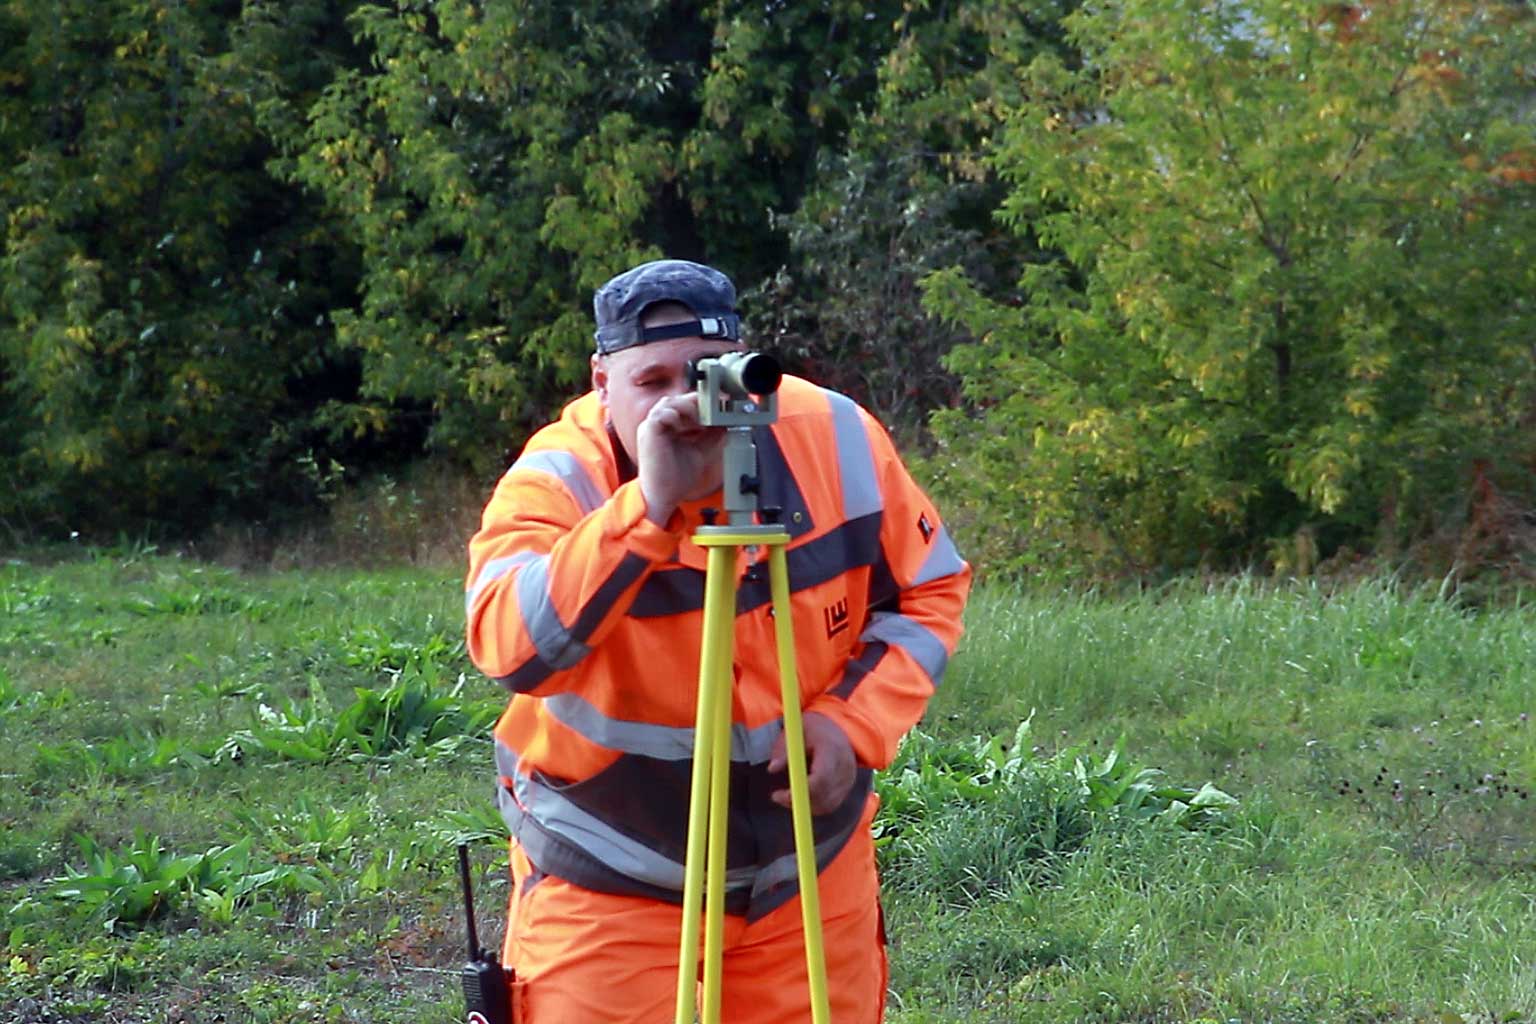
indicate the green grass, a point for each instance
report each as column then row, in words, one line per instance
column 171, row 851
column 1332, row 895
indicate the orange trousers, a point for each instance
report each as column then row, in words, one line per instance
column 584, row 957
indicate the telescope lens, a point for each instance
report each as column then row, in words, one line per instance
column 760, row 374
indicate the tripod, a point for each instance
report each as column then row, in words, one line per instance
column 709, row 792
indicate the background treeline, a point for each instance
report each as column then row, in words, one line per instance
column 1189, row 283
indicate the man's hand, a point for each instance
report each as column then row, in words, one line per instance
column 678, row 459
column 831, row 766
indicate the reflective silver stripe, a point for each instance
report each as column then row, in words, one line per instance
column 615, row 850
column 663, row 742
column 942, row 561
column 555, row 644
column 566, row 468
column 785, row 869
column 855, row 459
column 911, row 636
column 494, row 570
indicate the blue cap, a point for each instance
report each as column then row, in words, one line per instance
column 707, row 293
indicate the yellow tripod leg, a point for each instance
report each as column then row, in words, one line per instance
column 710, row 788
column 799, row 789
column 714, row 699
column 722, row 566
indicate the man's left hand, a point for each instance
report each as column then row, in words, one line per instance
column 831, row 765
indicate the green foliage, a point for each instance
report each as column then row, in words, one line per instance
column 119, row 757
column 146, row 881
column 848, row 316
column 1290, row 287
column 20, row 854
column 1301, row 905
column 959, row 964
column 1272, row 258
column 416, row 715
column 379, row 649
column 311, row 830
column 482, row 823
column 905, row 194
column 966, row 818
column 163, row 300
column 1433, row 801
column 497, row 162
column 253, row 254
column 1112, row 784
column 197, row 600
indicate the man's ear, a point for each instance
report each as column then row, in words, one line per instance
column 600, row 377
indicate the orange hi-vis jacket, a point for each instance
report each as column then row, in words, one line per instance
column 592, row 616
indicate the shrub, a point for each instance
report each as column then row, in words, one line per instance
column 967, row 817
column 146, row 881
column 415, row 714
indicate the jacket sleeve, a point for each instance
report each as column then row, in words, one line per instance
column 553, row 567
column 914, row 623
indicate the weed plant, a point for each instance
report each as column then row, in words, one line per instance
column 1227, row 802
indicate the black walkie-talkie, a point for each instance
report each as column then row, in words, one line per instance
column 487, row 997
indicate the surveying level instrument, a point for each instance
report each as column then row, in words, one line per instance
column 737, row 391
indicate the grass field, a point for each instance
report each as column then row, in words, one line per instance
column 235, row 797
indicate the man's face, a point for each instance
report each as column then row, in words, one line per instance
column 629, row 382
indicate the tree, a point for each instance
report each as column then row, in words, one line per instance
column 498, row 162
column 162, row 299
column 243, row 239
column 1292, row 280
column 906, row 194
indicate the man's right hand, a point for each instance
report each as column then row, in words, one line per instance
column 679, row 459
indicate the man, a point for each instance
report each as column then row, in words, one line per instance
column 585, row 598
